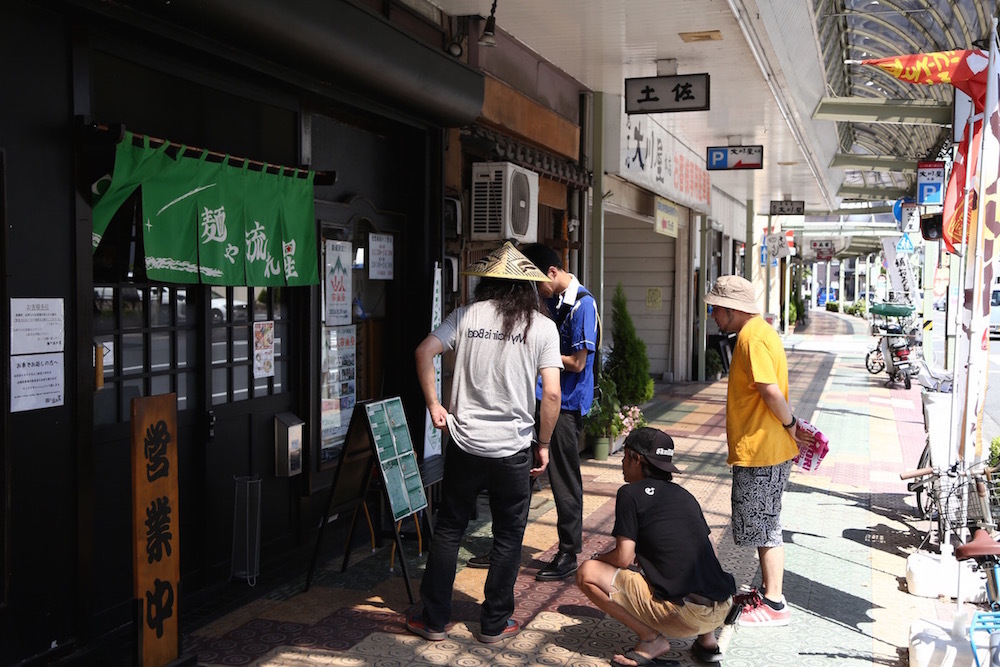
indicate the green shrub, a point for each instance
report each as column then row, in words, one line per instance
column 713, row 363
column 800, row 311
column 793, row 312
column 833, row 306
column 628, row 365
column 994, row 452
column 602, row 420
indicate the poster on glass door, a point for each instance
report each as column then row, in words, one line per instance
column 339, row 390
column 337, row 283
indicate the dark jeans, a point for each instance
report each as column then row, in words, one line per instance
column 509, row 485
column 564, row 477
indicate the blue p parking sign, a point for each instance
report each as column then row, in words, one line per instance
column 930, row 193
column 718, row 158
column 734, row 157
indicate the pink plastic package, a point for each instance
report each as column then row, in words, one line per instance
column 811, row 455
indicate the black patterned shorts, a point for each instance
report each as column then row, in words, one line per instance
column 756, row 499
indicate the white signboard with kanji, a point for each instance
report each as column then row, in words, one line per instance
column 777, row 245
column 823, row 248
column 651, row 157
column 930, row 183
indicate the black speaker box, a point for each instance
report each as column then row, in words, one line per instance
column 931, row 226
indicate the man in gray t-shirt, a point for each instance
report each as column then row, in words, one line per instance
column 502, row 343
column 490, row 413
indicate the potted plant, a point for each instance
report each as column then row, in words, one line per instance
column 630, row 417
column 628, row 364
column 603, row 422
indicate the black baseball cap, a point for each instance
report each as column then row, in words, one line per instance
column 655, row 446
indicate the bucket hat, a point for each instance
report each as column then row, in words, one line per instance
column 508, row 263
column 733, row 292
column 655, row 446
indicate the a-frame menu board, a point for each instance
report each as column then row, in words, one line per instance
column 396, row 457
column 381, row 435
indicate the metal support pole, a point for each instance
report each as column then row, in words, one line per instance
column 767, row 270
column 702, row 308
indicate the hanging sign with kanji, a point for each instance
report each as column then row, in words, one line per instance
column 156, row 553
column 734, row 157
column 930, row 183
column 660, row 94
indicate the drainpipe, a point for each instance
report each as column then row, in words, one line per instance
column 748, row 253
column 597, row 247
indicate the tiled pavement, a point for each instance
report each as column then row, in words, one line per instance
column 848, row 529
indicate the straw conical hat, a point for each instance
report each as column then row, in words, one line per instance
column 506, row 262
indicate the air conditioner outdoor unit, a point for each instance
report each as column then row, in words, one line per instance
column 504, row 202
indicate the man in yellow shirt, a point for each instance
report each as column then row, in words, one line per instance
column 762, row 435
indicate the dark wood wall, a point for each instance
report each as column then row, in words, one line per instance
column 64, row 548
column 39, row 447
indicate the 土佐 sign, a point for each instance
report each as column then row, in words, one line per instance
column 661, row 94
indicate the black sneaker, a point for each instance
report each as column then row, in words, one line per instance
column 706, row 655
column 561, row 567
column 480, row 562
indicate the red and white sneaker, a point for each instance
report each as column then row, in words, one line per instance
column 758, row 613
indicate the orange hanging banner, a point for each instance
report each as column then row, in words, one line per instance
column 964, row 69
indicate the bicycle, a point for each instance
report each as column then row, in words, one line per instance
column 940, row 497
column 874, row 361
column 986, row 552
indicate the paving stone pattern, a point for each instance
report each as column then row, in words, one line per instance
column 848, row 529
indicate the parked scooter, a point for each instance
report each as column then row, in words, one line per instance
column 899, row 335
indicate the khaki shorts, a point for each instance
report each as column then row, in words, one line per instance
column 634, row 594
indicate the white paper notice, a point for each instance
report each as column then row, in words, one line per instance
column 36, row 381
column 380, row 256
column 36, row 325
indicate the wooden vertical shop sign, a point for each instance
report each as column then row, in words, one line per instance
column 155, row 528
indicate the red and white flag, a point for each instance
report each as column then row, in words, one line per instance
column 980, row 267
column 965, row 70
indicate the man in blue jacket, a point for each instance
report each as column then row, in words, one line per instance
column 575, row 313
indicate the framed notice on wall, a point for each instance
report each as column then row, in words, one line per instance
column 380, row 256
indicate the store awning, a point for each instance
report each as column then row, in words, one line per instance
column 214, row 222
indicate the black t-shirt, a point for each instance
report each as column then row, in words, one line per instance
column 671, row 540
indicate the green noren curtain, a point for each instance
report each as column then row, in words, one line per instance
column 213, row 222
